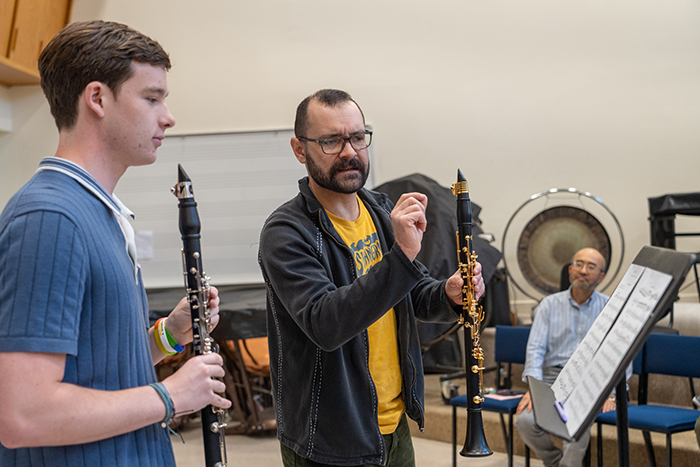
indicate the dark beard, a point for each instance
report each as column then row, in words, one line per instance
column 346, row 184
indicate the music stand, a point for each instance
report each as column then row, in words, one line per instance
column 670, row 262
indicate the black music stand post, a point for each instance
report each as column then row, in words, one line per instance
column 673, row 263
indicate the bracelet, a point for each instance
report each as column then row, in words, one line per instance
column 171, row 340
column 164, row 340
column 169, row 406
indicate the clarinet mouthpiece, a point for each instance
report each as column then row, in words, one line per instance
column 461, row 187
column 183, row 187
column 182, row 175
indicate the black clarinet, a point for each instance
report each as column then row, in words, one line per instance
column 197, row 285
column 471, row 316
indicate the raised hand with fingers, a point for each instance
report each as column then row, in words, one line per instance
column 409, row 222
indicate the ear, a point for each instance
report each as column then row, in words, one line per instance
column 94, row 97
column 298, row 149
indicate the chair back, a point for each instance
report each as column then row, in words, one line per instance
column 511, row 344
column 671, row 354
column 637, row 362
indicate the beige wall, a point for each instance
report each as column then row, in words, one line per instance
column 522, row 96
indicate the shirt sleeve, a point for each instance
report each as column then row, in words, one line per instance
column 42, row 282
column 537, row 342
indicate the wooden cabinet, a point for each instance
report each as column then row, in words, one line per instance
column 7, row 13
column 32, row 24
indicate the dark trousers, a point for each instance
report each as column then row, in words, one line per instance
column 399, row 447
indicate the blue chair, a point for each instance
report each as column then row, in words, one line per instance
column 665, row 354
column 510, row 347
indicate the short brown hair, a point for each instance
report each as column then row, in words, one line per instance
column 89, row 51
column 327, row 97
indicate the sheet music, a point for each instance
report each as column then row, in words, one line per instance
column 598, row 373
column 573, row 370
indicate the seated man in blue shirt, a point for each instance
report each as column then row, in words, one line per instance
column 561, row 322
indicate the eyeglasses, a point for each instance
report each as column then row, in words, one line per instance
column 590, row 267
column 335, row 144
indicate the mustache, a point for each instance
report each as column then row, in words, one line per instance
column 354, row 163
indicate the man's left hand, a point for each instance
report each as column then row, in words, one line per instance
column 608, row 405
column 179, row 322
column 454, row 284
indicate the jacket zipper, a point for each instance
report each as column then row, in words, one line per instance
column 413, row 386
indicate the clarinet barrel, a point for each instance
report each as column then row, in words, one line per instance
column 471, row 316
column 197, row 286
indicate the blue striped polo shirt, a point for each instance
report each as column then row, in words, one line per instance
column 67, row 285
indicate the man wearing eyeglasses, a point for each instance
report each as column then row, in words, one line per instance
column 561, row 322
column 344, row 293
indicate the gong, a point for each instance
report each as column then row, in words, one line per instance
column 550, row 228
column 550, row 240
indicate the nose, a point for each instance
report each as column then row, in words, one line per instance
column 348, row 151
column 168, row 120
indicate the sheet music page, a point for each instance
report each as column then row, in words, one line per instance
column 607, row 359
column 574, row 369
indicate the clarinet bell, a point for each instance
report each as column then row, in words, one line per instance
column 475, row 443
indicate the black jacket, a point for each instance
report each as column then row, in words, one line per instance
column 318, row 312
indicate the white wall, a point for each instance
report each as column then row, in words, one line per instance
column 522, row 96
column 5, row 110
column 33, row 136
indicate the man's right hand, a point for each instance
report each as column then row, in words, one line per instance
column 409, row 222
column 525, row 403
column 194, row 386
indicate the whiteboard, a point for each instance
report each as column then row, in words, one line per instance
column 238, row 180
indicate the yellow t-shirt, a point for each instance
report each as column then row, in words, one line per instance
column 361, row 236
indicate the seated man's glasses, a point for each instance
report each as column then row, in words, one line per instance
column 335, row 144
column 580, row 265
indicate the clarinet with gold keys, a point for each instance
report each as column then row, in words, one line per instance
column 471, row 316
